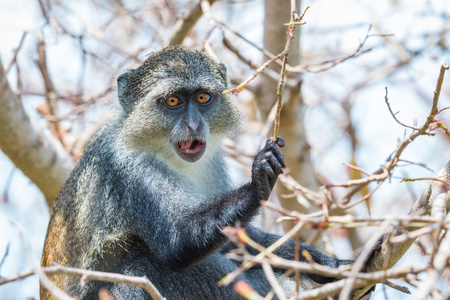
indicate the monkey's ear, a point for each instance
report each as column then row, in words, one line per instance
column 123, row 93
column 223, row 73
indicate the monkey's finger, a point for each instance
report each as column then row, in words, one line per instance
column 270, row 147
column 268, row 142
column 275, row 164
column 280, row 156
column 280, row 142
column 268, row 169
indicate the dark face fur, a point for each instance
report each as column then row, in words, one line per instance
column 174, row 105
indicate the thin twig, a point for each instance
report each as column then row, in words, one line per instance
column 267, row 72
column 393, row 160
column 356, row 168
column 297, row 258
column 374, row 177
column 45, row 281
column 424, row 178
column 229, row 278
column 342, row 272
column 386, row 99
column 412, row 235
column 361, row 260
column 295, row 20
column 263, row 51
column 273, row 281
column 268, row 62
column 16, row 51
column 407, row 162
column 364, row 198
column 5, row 255
column 308, row 67
column 254, row 75
column 397, row 287
column 142, row 282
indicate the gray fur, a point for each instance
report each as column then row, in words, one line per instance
column 132, row 205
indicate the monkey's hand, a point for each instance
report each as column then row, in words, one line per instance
column 266, row 167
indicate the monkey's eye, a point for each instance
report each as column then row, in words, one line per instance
column 203, row 98
column 173, row 101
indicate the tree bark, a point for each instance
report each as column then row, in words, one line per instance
column 37, row 154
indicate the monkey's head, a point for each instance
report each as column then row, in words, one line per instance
column 173, row 105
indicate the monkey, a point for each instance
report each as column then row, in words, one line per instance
column 151, row 193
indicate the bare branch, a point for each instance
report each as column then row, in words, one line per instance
column 258, row 71
column 356, row 168
column 35, row 153
column 273, row 281
column 267, row 72
column 332, row 63
column 16, row 51
column 184, row 25
column 374, row 177
column 52, row 97
column 2, row 261
column 45, row 281
column 393, row 114
column 361, row 260
column 294, row 18
column 439, row 263
column 421, row 207
column 85, row 275
column 393, row 160
column 233, row 275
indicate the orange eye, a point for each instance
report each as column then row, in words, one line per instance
column 173, row 101
column 203, row 98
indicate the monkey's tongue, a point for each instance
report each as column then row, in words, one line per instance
column 191, row 146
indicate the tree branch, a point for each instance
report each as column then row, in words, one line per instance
column 184, row 25
column 142, row 282
column 396, row 251
column 52, row 97
column 39, row 156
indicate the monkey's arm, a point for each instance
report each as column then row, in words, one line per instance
column 183, row 236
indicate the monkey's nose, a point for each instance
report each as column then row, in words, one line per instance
column 192, row 119
column 193, row 125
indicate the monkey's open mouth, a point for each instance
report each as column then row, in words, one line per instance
column 191, row 146
column 190, row 150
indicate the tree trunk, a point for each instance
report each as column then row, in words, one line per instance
column 297, row 154
column 37, row 154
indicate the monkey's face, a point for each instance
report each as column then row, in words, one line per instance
column 175, row 108
column 196, row 118
column 189, row 109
